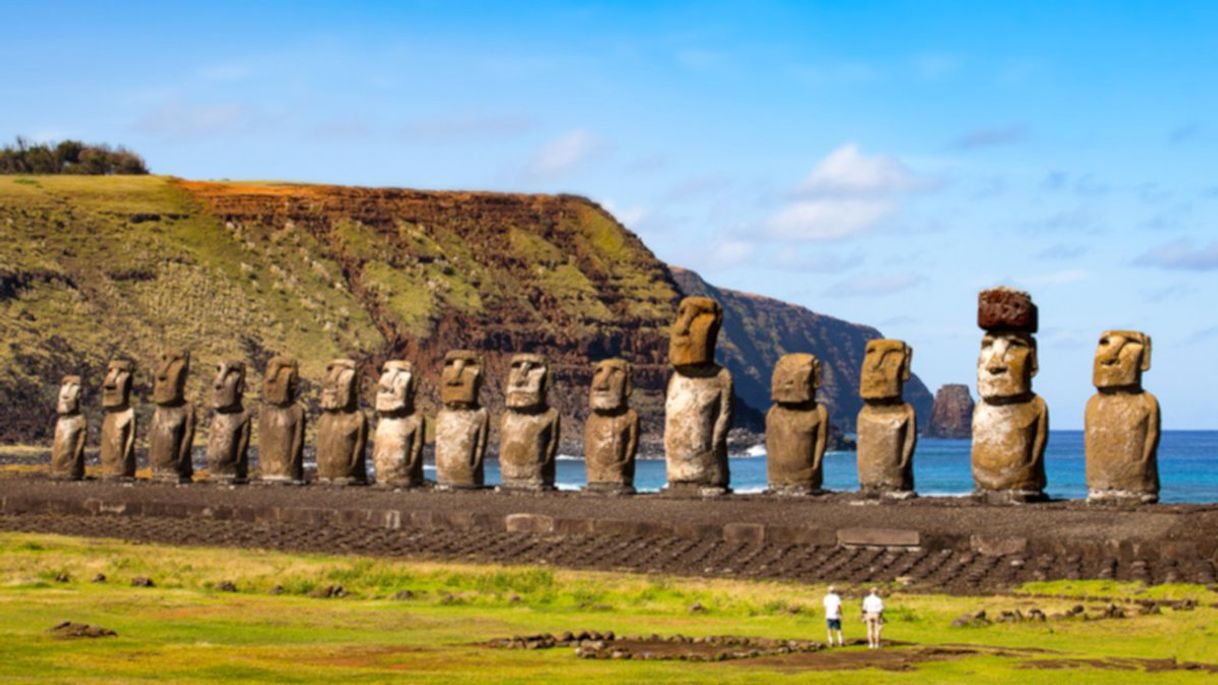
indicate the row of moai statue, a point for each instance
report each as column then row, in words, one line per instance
column 1010, row 424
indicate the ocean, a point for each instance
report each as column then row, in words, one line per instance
column 1188, row 468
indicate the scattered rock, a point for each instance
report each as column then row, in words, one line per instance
column 226, row 586
column 514, row 598
column 697, row 608
column 62, row 577
column 327, row 592
column 99, row 578
column 68, row 629
column 403, row 595
column 277, row 590
column 142, row 581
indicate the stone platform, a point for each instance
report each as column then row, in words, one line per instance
column 936, row 544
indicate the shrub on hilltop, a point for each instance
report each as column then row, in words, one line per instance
column 68, row 157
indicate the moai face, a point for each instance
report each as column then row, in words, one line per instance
column 69, row 395
column 610, row 386
column 527, row 381
column 395, row 389
column 281, row 380
column 172, row 369
column 885, row 369
column 116, row 388
column 1006, row 365
column 228, row 386
column 796, row 377
column 338, row 390
column 1120, row 359
column 695, row 332
column 461, row 379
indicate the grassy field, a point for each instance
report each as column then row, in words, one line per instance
column 187, row 629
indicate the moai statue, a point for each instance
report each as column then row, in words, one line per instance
column 528, row 436
column 118, row 426
column 342, row 429
column 228, row 440
column 462, row 425
column 698, row 404
column 1121, row 424
column 887, row 426
column 1010, row 423
column 281, row 424
column 796, row 427
column 71, row 430
column 173, row 420
column 397, row 449
column 611, row 433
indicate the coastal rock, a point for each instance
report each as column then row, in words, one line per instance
column 952, row 413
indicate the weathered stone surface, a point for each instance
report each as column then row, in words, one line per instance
column 281, row 423
column 952, row 413
column 699, row 402
column 887, row 425
column 342, row 429
column 397, row 451
column 528, row 437
column 611, row 432
column 796, row 427
column 462, row 425
column 1005, row 309
column 118, row 425
column 1121, row 423
column 173, row 421
column 1010, row 423
column 71, row 432
column 228, row 439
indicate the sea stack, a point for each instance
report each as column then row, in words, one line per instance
column 1010, row 423
column 951, row 415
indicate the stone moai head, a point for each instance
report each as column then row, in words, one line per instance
column 70, row 389
column 338, row 391
column 611, row 385
column 395, row 389
column 461, row 378
column 796, row 377
column 281, row 380
column 1008, row 350
column 527, row 382
column 116, row 388
column 169, row 386
column 1120, row 359
column 885, row 369
column 228, row 385
column 695, row 332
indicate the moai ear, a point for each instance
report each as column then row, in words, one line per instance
column 1145, row 352
column 1032, row 359
column 629, row 381
column 908, row 363
column 816, row 373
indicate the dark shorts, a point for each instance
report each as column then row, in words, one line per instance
column 834, row 623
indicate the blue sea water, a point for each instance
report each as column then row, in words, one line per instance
column 1188, row 468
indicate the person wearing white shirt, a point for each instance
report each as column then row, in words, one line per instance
column 833, row 615
column 873, row 616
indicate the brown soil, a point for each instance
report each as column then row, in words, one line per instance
column 1121, row 664
column 68, row 629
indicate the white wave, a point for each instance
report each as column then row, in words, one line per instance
column 568, row 457
column 751, row 490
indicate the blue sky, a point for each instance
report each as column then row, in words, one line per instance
column 876, row 161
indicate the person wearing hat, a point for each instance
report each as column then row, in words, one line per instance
column 833, row 615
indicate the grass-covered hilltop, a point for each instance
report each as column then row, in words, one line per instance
column 93, row 268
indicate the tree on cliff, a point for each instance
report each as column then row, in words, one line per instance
column 68, row 157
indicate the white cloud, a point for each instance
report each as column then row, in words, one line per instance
column 565, row 153
column 1181, row 255
column 874, row 286
column 847, row 193
column 176, row 119
column 731, row 252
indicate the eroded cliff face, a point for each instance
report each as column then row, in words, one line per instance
column 952, row 416
column 96, row 268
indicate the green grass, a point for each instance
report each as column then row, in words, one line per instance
column 186, row 630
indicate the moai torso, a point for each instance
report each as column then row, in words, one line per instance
column 397, row 451
column 1121, row 424
column 796, row 427
column 229, row 436
column 611, row 432
column 1010, row 422
column 281, row 424
column 698, row 404
column 887, row 427
column 118, row 424
column 71, row 431
column 462, row 425
column 342, row 429
column 528, row 437
column 173, row 421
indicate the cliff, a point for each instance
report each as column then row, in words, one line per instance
column 93, row 268
column 952, row 415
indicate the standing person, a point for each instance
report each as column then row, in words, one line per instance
column 833, row 615
column 873, row 616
